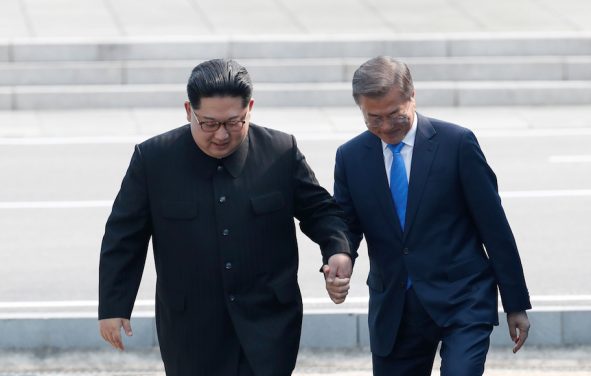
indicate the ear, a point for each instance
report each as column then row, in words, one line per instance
column 250, row 104
column 188, row 110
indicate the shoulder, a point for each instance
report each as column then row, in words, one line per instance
column 270, row 139
column 353, row 145
column 443, row 128
column 165, row 141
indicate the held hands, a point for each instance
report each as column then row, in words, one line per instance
column 337, row 275
column 518, row 321
column 111, row 331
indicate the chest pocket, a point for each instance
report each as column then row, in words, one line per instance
column 267, row 203
column 179, row 209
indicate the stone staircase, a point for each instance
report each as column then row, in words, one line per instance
column 307, row 71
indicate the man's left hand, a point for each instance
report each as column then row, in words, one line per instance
column 337, row 275
column 518, row 321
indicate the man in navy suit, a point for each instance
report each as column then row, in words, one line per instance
column 439, row 243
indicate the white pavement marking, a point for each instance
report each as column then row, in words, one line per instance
column 569, row 158
column 150, row 303
column 108, row 203
column 308, row 136
column 547, row 193
column 99, row 140
column 55, row 204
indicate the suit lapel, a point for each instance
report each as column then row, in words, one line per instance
column 423, row 154
column 376, row 178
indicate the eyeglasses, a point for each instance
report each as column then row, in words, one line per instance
column 392, row 120
column 211, row 126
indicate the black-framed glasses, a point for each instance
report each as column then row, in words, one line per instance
column 392, row 121
column 211, row 126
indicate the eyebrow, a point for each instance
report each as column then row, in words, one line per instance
column 391, row 113
column 209, row 118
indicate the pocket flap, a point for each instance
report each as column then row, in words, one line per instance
column 267, row 203
column 179, row 209
column 375, row 282
column 467, row 268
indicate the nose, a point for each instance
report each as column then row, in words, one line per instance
column 221, row 133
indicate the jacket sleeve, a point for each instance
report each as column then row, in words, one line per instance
column 125, row 244
column 343, row 198
column 479, row 185
column 321, row 219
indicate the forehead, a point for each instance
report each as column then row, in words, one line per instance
column 385, row 104
column 220, row 104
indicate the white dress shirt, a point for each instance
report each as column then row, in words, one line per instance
column 405, row 152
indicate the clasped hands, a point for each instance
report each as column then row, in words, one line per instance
column 337, row 275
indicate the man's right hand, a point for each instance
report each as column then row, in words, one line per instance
column 337, row 275
column 111, row 331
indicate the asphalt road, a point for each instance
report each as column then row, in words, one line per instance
column 530, row 361
column 51, row 253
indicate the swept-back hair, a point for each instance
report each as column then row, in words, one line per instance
column 219, row 78
column 377, row 76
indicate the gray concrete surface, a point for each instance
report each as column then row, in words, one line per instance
column 530, row 361
column 131, row 18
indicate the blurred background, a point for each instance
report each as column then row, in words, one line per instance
column 82, row 81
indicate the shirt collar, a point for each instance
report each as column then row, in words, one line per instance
column 234, row 163
column 409, row 139
column 207, row 166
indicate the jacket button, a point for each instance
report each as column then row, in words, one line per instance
column 405, row 251
column 222, row 199
column 220, row 168
column 228, row 265
column 226, row 232
column 232, row 298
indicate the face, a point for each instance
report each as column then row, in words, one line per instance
column 221, row 143
column 389, row 117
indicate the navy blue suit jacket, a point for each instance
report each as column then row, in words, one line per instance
column 457, row 245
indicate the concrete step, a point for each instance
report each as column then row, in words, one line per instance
column 296, row 70
column 305, row 46
column 320, row 329
column 429, row 93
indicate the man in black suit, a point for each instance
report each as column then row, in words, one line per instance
column 439, row 244
column 218, row 197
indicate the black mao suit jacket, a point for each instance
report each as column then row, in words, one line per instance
column 457, row 245
column 225, row 249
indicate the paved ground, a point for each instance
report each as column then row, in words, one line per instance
column 161, row 18
column 530, row 361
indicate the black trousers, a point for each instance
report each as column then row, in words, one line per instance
column 463, row 347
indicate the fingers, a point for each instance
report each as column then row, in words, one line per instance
column 513, row 332
column 338, row 289
column 518, row 328
column 520, row 341
column 127, row 328
column 341, row 265
column 332, row 273
column 110, row 330
column 340, row 282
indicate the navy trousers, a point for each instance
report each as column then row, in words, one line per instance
column 463, row 347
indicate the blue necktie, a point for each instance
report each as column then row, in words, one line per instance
column 398, row 182
column 399, row 187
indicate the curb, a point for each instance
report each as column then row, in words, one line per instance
column 551, row 326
